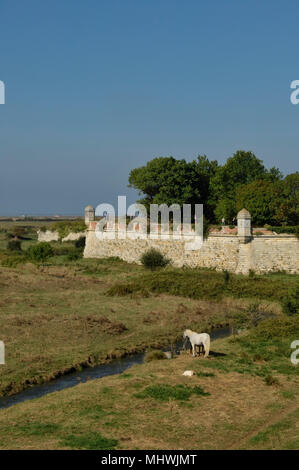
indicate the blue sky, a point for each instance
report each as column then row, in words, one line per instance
column 95, row 88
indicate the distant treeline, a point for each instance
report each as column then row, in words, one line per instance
column 243, row 181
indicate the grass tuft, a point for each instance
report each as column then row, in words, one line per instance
column 155, row 355
column 90, row 441
column 164, row 392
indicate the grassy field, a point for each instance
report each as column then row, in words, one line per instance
column 230, row 403
column 54, row 318
column 65, row 314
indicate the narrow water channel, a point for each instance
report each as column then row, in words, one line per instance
column 97, row 372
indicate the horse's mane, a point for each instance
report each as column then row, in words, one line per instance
column 187, row 332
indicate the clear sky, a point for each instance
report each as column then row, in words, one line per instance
column 95, row 88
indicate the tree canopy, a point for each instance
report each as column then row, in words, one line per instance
column 243, row 181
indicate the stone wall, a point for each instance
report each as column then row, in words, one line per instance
column 47, row 236
column 223, row 252
column 218, row 251
column 237, row 252
column 53, row 236
column 274, row 253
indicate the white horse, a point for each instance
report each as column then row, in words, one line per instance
column 198, row 339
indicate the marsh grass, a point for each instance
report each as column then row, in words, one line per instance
column 207, row 284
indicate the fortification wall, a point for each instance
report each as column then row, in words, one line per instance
column 47, row 236
column 53, row 236
column 223, row 252
column 274, row 253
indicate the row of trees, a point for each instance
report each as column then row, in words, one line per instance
column 243, row 181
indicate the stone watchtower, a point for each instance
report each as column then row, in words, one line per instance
column 244, row 226
column 89, row 214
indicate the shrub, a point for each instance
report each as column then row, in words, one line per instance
column 153, row 259
column 61, row 249
column 73, row 254
column 290, row 303
column 277, row 328
column 80, row 243
column 19, row 231
column 40, row 252
column 284, row 229
column 64, row 227
column 14, row 245
column 155, row 355
column 270, row 380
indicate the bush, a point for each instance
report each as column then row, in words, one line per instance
column 40, row 252
column 153, row 259
column 80, row 243
column 270, row 380
column 284, row 229
column 73, row 254
column 155, row 355
column 277, row 328
column 62, row 249
column 64, row 227
column 290, row 303
column 14, row 245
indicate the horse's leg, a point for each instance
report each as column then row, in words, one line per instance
column 193, row 349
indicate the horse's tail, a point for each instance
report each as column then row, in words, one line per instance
column 207, row 345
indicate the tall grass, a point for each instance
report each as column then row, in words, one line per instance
column 205, row 284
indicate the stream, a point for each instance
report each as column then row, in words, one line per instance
column 97, row 372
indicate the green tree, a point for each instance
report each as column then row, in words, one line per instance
column 262, row 198
column 241, row 169
column 170, row 181
column 288, row 211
